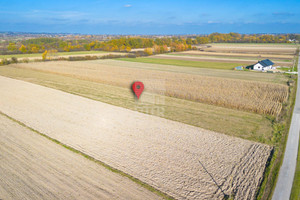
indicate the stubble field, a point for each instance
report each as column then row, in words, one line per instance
column 160, row 152
column 33, row 167
column 263, row 98
column 232, row 122
column 183, row 161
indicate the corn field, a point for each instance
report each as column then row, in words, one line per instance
column 252, row 96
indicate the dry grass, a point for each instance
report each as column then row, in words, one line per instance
column 263, row 98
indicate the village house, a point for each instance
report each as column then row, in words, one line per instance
column 263, row 65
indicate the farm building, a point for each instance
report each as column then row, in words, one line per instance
column 263, row 65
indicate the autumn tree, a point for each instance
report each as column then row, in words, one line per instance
column 66, row 48
column 87, row 47
column 44, row 55
column 12, row 47
column 148, row 51
column 23, row 49
column 122, row 48
column 34, row 49
column 128, row 49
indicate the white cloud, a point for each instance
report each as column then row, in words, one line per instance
column 127, row 6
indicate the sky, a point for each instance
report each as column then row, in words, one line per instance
column 150, row 16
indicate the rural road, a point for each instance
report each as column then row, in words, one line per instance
column 287, row 171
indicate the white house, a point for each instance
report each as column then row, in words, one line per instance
column 263, row 65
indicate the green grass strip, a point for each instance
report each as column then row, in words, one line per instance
column 187, row 63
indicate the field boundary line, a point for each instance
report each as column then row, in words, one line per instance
column 106, row 166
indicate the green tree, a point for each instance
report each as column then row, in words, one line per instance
column 87, row 47
column 12, row 47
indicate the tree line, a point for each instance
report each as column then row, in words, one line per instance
column 152, row 45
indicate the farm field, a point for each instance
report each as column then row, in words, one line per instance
column 217, row 59
column 222, row 73
column 183, row 62
column 260, row 49
column 163, row 153
column 246, row 125
column 33, row 167
column 223, row 102
column 58, row 53
column 225, row 56
column 62, row 54
column 238, row 55
column 210, row 90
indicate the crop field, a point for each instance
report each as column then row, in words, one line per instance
column 61, row 55
column 232, row 122
column 223, row 92
column 239, row 55
column 210, row 72
column 225, row 56
column 58, row 54
column 33, row 166
column 214, row 114
column 223, row 60
column 258, row 49
column 148, row 149
column 184, row 62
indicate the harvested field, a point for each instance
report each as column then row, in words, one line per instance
column 33, row 57
column 33, row 167
column 252, row 49
column 160, row 152
column 214, row 59
column 232, row 122
column 60, row 54
column 239, row 75
column 243, row 95
column 261, row 56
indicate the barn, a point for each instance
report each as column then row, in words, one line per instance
column 263, row 65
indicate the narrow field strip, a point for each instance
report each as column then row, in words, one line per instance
column 243, row 61
column 159, row 152
column 33, row 167
column 226, row 55
column 187, row 63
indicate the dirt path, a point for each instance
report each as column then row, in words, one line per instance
column 33, row 167
column 160, row 152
